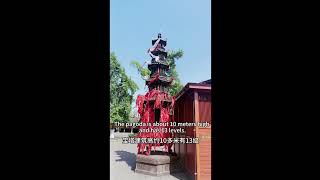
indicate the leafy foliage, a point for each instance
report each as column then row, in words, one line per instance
column 171, row 59
column 122, row 89
column 143, row 71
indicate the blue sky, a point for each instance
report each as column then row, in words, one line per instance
column 185, row 23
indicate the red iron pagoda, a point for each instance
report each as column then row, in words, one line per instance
column 156, row 106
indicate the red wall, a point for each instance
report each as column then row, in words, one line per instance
column 184, row 112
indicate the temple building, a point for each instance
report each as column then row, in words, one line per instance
column 193, row 105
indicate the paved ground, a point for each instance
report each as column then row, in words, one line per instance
column 123, row 161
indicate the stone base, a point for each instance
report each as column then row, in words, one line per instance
column 155, row 165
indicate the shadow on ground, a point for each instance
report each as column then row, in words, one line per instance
column 177, row 170
column 181, row 176
column 128, row 157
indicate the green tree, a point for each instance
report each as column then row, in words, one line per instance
column 122, row 89
column 171, row 59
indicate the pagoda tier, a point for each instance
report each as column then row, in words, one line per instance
column 162, row 84
column 167, row 100
column 162, row 42
column 155, row 65
column 160, row 52
column 161, row 79
column 165, row 103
